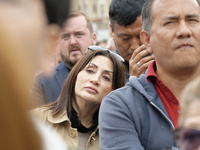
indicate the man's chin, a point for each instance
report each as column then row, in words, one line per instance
column 70, row 63
column 75, row 60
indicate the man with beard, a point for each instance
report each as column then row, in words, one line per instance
column 75, row 37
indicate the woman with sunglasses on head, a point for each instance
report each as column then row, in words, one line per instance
column 188, row 133
column 75, row 113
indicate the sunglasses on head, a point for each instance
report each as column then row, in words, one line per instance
column 96, row 48
column 187, row 139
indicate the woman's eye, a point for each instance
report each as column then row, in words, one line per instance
column 90, row 71
column 106, row 78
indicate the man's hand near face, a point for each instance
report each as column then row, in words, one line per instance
column 140, row 60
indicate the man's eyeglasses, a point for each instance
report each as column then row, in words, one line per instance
column 95, row 48
column 187, row 139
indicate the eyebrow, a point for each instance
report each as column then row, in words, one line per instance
column 192, row 16
column 177, row 17
column 108, row 71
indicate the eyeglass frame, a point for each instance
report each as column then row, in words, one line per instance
column 194, row 130
column 96, row 48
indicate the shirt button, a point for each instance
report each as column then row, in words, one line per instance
column 170, row 97
column 72, row 133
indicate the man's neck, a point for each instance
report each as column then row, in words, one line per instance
column 68, row 65
column 176, row 82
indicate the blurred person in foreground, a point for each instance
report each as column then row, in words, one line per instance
column 187, row 133
column 126, row 25
column 75, row 113
column 142, row 114
column 24, row 28
column 75, row 37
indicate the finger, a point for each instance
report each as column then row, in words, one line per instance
column 149, row 49
column 138, row 50
column 146, row 64
column 146, row 59
column 142, row 54
column 143, row 67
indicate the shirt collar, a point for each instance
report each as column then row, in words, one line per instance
column 61, row 118
column 151, row 72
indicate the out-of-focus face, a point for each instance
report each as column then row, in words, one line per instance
column 190, row 139
column 74, row 40
column 175, row 39
column 192, row 119
column 25, row 22
column 127, row 38
column 95, row 80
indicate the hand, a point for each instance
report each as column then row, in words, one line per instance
column 139, row 61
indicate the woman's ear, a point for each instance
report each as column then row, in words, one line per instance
column 145, row 38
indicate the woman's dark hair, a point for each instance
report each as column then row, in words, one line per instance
column 67, row 96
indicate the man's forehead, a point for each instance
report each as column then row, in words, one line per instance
column 170, row 6
column 79, row 20
column 75, row 26
column 167, row 2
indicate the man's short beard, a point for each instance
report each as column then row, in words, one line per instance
column 70, row 64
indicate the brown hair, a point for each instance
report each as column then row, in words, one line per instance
column 88, row 20
column 67, row 96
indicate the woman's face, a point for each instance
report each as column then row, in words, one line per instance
column 95, row 80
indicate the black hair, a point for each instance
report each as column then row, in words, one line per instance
column 57, row 11
column 125, row 12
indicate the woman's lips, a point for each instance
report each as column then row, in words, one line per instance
column 91, row 90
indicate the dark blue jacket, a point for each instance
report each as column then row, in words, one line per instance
column 47, row 89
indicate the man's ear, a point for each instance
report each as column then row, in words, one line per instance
column 50, row 49
column 94, row 38
column 54, row 31
column 111, row 29
column 145, row 38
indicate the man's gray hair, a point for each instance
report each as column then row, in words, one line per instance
column 146, row 15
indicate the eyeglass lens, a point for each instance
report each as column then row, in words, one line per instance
column 187, row 139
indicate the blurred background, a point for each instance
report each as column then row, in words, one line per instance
column 97, row 10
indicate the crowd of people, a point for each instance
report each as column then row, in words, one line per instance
column 61, row 89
